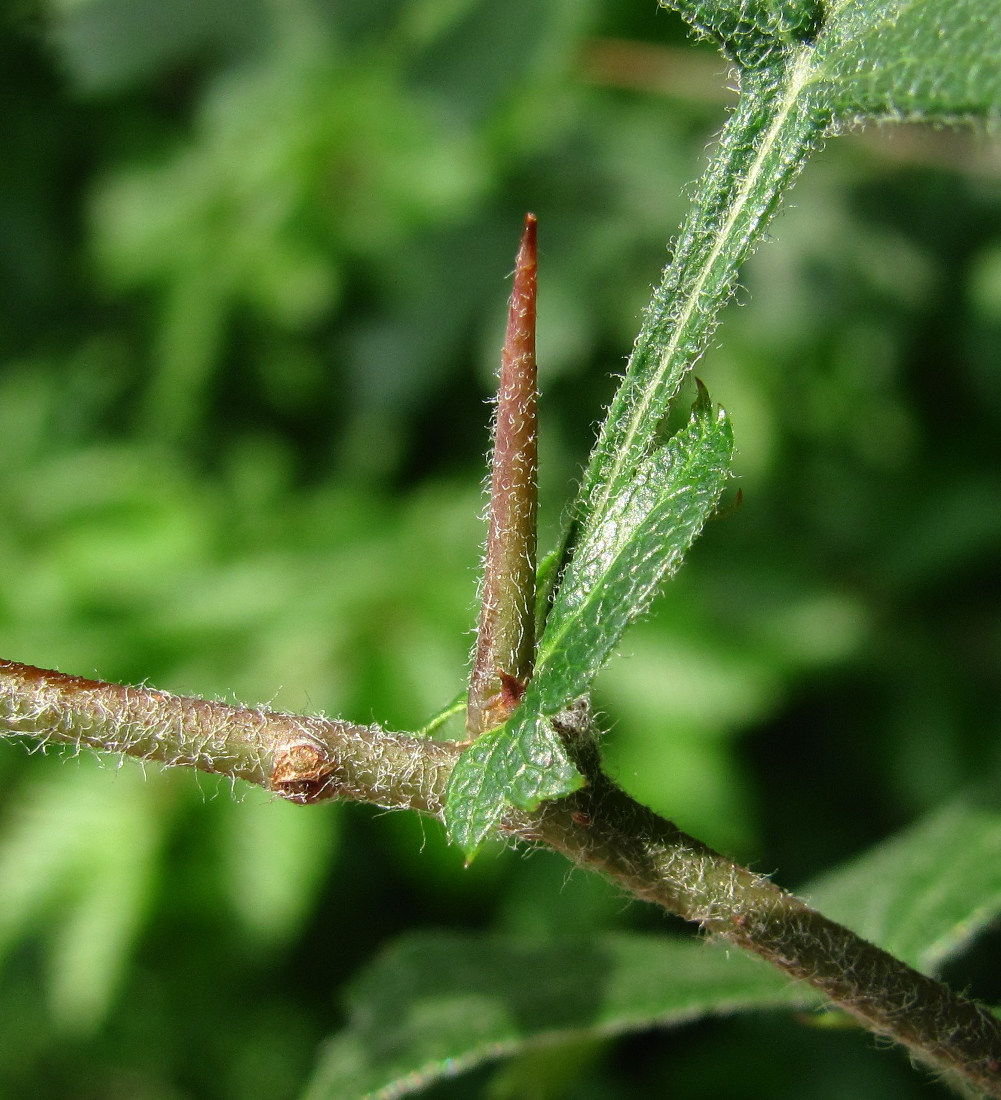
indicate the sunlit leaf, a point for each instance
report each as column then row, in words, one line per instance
column 926, row 59
column 627, row 551
column 520, row 764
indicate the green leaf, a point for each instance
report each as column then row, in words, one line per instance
column 626, row 552
column 920, row 59
column 765, row 142
column 434, row 1005
column 939, row 66
column 751, row 31
column 617, row 567
column 522, row 763
column 925, row 893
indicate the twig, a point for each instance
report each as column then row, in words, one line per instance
column 301, row 759
column 599, row 827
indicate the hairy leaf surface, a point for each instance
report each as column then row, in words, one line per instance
column 750, row 31
column 626, row 552
column 921, row 59
column 918, row 59
column 520, row 764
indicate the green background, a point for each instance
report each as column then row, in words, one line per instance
column 253, row 261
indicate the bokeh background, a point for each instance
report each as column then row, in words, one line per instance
column 253, row 268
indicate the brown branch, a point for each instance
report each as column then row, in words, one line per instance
column 599, row 827
column 605, row 830
column 301, row 759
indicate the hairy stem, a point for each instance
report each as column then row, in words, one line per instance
column 599, row 828
column 605, row 830
column 301, row 759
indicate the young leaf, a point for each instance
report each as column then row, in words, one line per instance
column 614, row 574
column 931, row 59
column 765, row 142
column 520, row 764
column 625, row 554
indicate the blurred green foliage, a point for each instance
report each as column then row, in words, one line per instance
column 252, row 264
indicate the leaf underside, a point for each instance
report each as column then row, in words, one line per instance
column 438, row 1004
column 434, row 1005
column 921, row 59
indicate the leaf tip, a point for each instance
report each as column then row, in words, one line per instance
column 703, row 402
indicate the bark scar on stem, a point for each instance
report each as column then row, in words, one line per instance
column 302, row 772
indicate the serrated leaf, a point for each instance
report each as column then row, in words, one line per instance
column 925, row 893
column 520, row 764
column 917, row 58
column 437, row 1004
column 626, row 552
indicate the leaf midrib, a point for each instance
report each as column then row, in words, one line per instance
column 800, row 73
